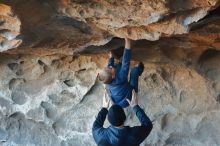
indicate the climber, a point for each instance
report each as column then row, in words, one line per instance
column 117, row 134
column 116, row 77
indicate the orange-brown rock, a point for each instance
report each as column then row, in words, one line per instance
column 52, row 50
column 69, row 26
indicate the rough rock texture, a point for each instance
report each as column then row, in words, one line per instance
column 53, row 100
column 68, row 26
column 52, row 50
column 39, row 94
column 46, row 31
column 139, row 19
column 9, row 28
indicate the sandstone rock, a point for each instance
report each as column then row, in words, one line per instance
column 3, row 135
column 9, row 28
column 19, row 97
column 26, row 132
column 74, row 25
column 46, row 28
column 139, row 19
column 37, row 114
column 62, row 102
column 51, row 52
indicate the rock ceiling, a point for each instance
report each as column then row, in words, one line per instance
column 45, row 27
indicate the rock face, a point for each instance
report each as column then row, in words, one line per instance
column 46, row 31
column 53, row 100
column 140, row 19
column 52, row 51
column 67, row 27
column 9, row 27
column 39, row 98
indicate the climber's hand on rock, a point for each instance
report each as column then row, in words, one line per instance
column 106, row 100
column 134, row 100
column 127, row 43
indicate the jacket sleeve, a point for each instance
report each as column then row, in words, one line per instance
column 146, row 125
column 125, row 64
column 111, row 62
column 97, row 129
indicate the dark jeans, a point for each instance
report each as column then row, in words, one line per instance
column 134, row 75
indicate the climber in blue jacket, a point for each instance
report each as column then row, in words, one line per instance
column 117, row 134
column 116, row 77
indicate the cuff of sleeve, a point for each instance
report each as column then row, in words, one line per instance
column 136, row 108
column 104, row 110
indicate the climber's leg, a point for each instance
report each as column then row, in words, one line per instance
column 134, row 75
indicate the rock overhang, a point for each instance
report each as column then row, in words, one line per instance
column 68, row 27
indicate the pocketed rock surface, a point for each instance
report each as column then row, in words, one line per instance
column 52, row 51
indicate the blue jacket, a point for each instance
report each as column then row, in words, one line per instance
column 127, row 136
column 119, row 89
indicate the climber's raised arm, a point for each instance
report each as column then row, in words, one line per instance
column 126, row 59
